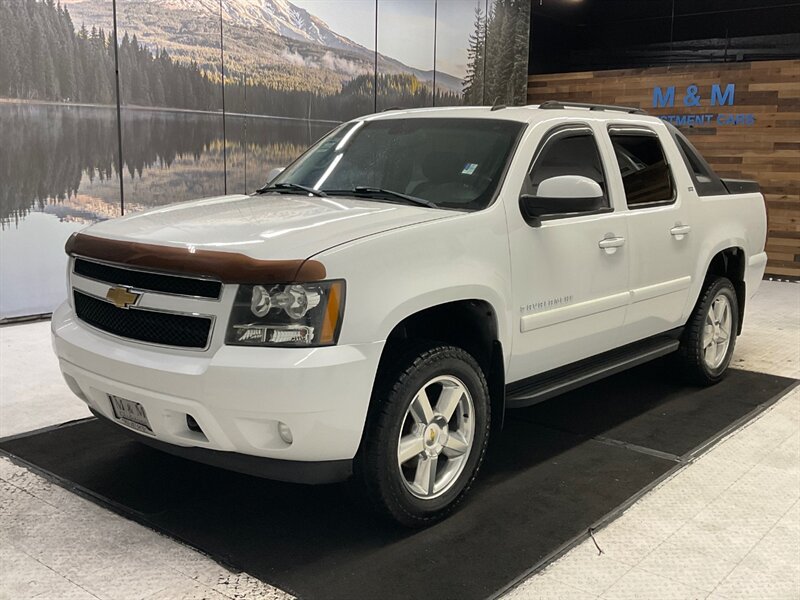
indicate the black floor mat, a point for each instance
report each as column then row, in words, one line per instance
column 556, row 469
column 650, row 407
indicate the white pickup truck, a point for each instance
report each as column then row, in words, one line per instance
column 373, row 311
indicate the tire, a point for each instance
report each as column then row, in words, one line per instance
column 417, row 489
column 704, row 355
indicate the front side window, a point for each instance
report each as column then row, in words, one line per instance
column 567, row 151
column 450, row 162
column 645, row 172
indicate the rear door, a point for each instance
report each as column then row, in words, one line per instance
column 569, row 275
column 661, row 238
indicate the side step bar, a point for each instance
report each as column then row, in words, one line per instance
column 552, row 383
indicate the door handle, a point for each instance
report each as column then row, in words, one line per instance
column 610, row 244
column 680, row 231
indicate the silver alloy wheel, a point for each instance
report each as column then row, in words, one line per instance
column 717, row 332
column 436, row 439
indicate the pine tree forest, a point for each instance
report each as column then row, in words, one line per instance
column 45, row 57
column 497, row 67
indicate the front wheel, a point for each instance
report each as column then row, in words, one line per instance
column 710, row 336
column 427, row 434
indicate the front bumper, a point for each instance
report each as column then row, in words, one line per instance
column 237, row 395
column 293, row 471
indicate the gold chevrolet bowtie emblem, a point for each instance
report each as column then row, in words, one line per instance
column 121, row 297
column 432, row 435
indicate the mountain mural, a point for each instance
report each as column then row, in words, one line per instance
column 270, row 42
column 289, row 78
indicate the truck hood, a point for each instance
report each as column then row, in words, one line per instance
column 266, row 226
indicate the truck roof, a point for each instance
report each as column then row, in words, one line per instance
column 532, row 113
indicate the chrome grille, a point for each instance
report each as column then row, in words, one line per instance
column 165, row 309
column 143, row 325
column 178, row 285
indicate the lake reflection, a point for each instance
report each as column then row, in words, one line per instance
column 58, row 174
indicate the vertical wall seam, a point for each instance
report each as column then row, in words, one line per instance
column 671, row 35
column 119, row 113
column 486, row 49
column 245, row 131
column 435, row 30
column 224, row 132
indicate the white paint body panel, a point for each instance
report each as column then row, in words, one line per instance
column 568, row 293
column 569, row 186
column 557, row 295
column 265, row 227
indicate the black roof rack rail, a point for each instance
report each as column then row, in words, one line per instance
column 556, row 104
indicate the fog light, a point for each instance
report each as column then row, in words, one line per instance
column 285, row 432
column 192, row 424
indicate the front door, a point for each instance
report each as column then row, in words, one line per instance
column 570, row 275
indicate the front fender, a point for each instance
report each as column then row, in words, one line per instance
column 437, row 297
column 395, row 274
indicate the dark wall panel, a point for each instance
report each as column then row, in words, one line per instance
column 613, row 34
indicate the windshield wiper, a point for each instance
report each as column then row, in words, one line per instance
column 374, row 192
column 291, row 187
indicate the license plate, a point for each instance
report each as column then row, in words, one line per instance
column 130, row 413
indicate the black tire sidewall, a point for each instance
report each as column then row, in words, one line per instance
column 440, row 360
column 721, row 286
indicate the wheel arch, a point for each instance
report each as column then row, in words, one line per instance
column 472, row 324
column 730, row 262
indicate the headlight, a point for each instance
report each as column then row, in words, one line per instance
column 298, row 314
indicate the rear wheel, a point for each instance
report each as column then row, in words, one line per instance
column 710, row 335
column 427, row 435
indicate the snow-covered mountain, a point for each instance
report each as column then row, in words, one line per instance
column 259, row 35
column 286, row 19
column 280, row 17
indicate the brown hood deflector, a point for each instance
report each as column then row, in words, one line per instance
column 229, row 267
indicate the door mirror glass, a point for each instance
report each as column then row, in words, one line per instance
column 273, row 173
column 562, row 195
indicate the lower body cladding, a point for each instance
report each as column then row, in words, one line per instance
column 291, row 414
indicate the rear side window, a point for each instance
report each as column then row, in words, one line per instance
column 567, row 151
column 705, row 180
column 645, row 172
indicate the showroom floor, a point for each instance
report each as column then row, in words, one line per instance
column 725, row 526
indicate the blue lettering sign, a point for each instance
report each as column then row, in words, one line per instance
column 662, row 99
column 717, row 97
column 740, row 119
column 692, row 97
column 709, row 119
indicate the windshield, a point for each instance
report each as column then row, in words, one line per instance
column 451, row 163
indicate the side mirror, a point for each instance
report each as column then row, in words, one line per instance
column 566, row 194
column 273, row 173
